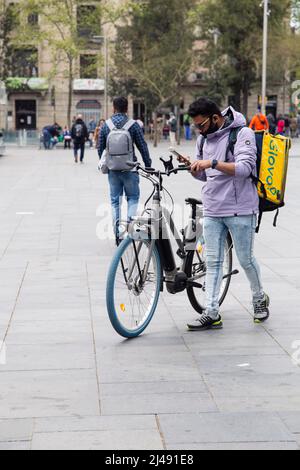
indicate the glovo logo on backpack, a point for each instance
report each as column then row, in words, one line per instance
column 273, row 168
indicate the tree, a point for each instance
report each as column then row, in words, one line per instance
column 8, row 19
column 66, row 27
column 240, row 24
column 154, row 52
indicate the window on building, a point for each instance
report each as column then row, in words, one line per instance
column 33, row 19
column 23, row 62
column 88, row 66
column 88, row 21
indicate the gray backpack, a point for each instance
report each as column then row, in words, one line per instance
column 120, row 149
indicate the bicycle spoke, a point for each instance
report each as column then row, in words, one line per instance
column 134, row 306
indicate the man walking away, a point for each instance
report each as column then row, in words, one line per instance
column 123, row 181
column 259, row 122
column 172, row 123
column 80, row 136
column 230, row 201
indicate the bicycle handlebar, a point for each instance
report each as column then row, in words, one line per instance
column 153, row 172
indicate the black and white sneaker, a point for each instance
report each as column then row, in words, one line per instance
column 261, row 310
column 206, row 323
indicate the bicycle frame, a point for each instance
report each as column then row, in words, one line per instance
column 157, row 229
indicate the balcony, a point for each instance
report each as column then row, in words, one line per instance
column 27, row 85
column 88, row 85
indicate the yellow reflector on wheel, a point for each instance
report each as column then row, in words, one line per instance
column 123, row 308
column 200, row 248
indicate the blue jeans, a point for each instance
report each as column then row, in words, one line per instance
column 242, row 230
column 46, row 139
column 120, row 183
column 188, row 135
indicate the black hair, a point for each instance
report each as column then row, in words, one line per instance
column 121, row 104
column 204, row 107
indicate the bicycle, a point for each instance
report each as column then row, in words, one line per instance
column 144, row 262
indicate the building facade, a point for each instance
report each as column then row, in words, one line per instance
column 38, row 86
column 38, row 90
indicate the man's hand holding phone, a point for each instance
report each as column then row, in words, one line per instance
column 200, row 165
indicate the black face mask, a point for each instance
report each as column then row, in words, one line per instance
column 212, row 129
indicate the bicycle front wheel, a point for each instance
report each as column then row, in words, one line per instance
column 196, row 271
column 133, row 287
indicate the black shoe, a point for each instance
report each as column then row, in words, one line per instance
column 261, row 310
column 206, row 323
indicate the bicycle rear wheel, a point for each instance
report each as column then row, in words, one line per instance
column 196, row 269
column 133, row 287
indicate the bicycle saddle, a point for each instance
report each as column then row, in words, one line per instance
column 194, row 202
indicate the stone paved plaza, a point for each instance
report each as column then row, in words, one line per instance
column 68, row 381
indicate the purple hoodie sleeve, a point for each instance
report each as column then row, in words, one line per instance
column 245, row 154
column 202, row 174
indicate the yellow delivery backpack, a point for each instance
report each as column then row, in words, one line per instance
column 272, row 167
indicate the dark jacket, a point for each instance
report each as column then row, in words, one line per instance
column 79, row 132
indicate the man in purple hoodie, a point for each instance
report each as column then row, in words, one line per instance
column 230, row 201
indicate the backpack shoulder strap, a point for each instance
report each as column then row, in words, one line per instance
column 128, row 125
column 202, row 146
column 233, row 137
column 110, row 124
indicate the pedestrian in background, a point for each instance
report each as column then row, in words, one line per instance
column 124, row 181
column 293, row 127
column 91, row 130
column 272, row 123
column 280, row 125
column 67, row 138
column 287, row 123
column 298, row 124
column 259, row 122
column 50, row 133
column 166, row 131
column 80, row 136
column 187, row 126
column 97, row 132
column 172, row 123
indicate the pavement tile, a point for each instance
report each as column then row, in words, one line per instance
column 48, row 393
column 21, row 446
column 98, row 440
column 224, row 427
column 95, row 423
column 237, row 446
column 28, row 357
column 291, row 420
column 158, row 403
column 16, row 430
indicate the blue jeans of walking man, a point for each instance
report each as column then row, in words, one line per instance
column 121, row 183
column 242, row 230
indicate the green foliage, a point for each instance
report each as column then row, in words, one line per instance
column 240, row 24
column 16, row 84
column 154, row 51
column 8, row 21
